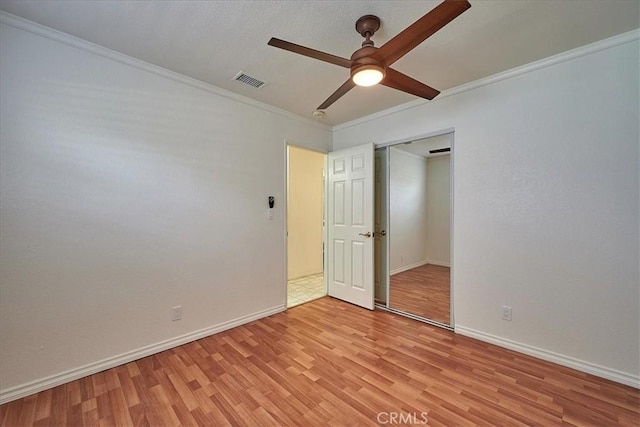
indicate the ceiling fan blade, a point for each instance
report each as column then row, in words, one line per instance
column 420, row 30
column 311, row 53
column 397, row 80
column 346, row 87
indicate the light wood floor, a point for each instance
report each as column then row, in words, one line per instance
column 330, row 363
column 424, row 291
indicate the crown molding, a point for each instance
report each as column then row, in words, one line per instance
column 569, row 55
column 87, row 46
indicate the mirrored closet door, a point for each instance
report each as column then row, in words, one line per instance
column 413, row 229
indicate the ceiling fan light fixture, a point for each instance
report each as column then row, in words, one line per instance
column 370, row 65
column 368, row 76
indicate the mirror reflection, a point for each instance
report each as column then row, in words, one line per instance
column 419, row 187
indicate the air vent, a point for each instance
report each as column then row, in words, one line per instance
column 247, row 79
column 440, row 150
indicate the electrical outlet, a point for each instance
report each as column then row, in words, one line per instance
column 176, row 313
column 505, row 312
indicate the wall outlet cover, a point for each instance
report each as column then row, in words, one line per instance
column 506, row 312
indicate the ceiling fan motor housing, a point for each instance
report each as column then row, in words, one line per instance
column 363, row 58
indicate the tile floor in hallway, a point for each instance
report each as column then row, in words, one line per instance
column 305, row 289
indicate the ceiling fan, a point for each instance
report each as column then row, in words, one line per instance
column 370, row 65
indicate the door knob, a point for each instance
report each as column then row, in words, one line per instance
column 367, row 234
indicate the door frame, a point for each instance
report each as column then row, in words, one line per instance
column 287, row 144
column 384, row 225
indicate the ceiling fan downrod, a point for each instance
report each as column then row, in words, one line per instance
column 367, row 26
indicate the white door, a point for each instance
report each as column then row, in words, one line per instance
column 350, row 225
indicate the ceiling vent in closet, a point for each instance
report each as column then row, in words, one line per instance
column 440, row 150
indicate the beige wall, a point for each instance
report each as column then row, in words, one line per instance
column 304, row 212
column 128, row 190
column 439, row 210
column 407, row 211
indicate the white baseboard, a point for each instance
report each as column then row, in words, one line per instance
column 560, row 359
column 418, row 264
column 36, row 386
column 408, row 267
column 440, row 263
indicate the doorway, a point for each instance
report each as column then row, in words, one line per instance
column 305, row 225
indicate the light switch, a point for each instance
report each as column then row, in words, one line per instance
column 269, row 213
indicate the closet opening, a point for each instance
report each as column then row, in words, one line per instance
column 413, row 228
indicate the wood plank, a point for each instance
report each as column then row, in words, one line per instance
column 330, row 363
column 424, row 291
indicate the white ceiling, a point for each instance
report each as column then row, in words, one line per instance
column 213, row 40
